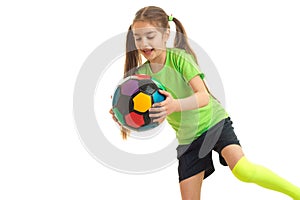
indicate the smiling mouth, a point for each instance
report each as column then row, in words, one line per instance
column 147, row 51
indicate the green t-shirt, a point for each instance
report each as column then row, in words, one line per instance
column 178, row 70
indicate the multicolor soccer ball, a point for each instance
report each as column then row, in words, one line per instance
column 132, row 100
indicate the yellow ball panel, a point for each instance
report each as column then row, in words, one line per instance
column 142, row 102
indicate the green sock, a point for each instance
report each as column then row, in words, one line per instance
column 252, row 173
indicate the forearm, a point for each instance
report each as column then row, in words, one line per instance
column 160, row 110
column 197, row 100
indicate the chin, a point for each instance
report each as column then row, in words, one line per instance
column 150, row 58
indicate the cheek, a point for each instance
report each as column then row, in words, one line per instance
column 137, row 44
column 160, row 44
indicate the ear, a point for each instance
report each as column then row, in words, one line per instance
column 166, row 35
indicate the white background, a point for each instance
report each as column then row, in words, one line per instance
column 254, row 45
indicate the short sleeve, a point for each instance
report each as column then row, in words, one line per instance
column 187, row 66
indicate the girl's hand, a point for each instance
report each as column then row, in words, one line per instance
column 113, row 117
column 160, row 110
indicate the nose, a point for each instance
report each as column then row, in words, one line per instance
column 144, row 43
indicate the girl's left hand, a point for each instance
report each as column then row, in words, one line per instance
column 159, row 111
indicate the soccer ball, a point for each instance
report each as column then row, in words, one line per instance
column 132, row 100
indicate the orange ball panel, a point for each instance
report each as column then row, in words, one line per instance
column 142, row 102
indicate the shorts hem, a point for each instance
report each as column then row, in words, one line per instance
column 207, row 173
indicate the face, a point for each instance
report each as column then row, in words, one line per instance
column 150, row 42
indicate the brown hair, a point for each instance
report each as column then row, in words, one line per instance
column 157, row 17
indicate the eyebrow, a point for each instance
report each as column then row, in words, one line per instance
column 147, row 33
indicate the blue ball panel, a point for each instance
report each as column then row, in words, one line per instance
column 157, row 97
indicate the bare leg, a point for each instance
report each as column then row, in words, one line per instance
column 232, row 154
column 190, row 188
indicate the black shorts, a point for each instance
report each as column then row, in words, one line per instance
column 197, row 156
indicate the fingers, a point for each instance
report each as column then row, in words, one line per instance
column 157, row 109
column 158, row 114
column 159, row 119
column 117, row 121
column 161, row 104
column 164, row 92
column 114, row 118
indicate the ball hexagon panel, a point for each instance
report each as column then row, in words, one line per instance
column 118, row 115
column 130, row 87
column 123, row 104
column 142, row 102
column 116, row 97
column 147, row 86
column 157, row 97
column 134, row 120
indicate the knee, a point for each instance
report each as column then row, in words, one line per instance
column 244, row 170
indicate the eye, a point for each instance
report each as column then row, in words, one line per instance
column 150, row 38
column 138, row 39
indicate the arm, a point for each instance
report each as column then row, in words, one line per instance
column 199, row 99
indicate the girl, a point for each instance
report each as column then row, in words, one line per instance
column 200, row 122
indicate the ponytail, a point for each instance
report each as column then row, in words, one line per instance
column 181, row 39
column 132, row 58
column 181, row 42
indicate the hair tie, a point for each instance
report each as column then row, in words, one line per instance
column 170, row 18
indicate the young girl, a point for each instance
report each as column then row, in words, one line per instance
column 200, row 122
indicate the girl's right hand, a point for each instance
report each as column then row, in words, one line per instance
column 114, row 118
